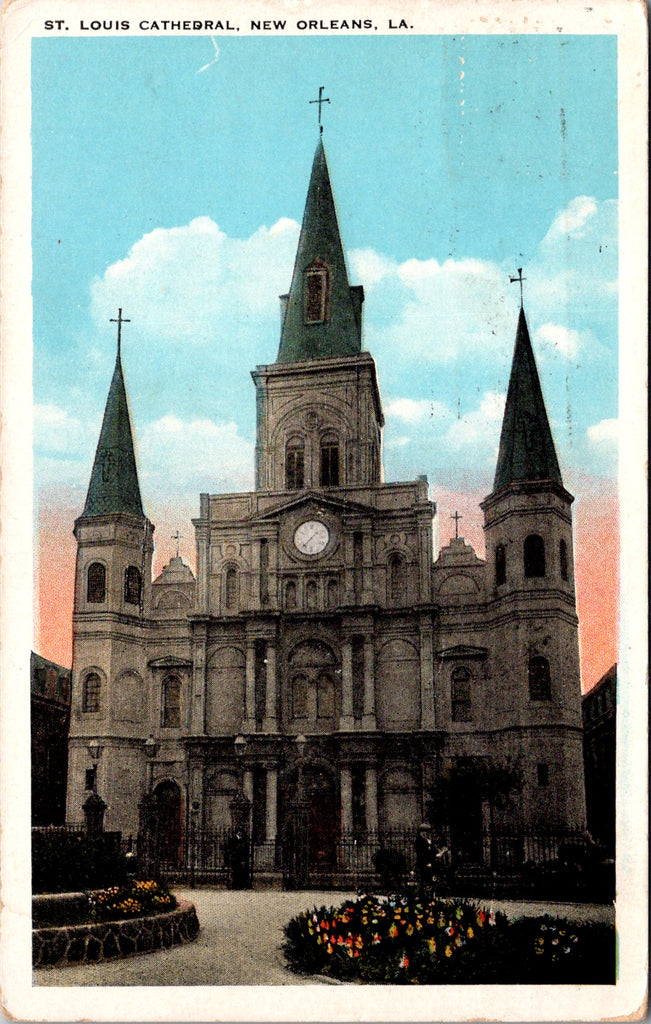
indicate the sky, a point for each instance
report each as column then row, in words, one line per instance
column 177, row 193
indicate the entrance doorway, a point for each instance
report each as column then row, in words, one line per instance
column 167, row 825
column 310, row 826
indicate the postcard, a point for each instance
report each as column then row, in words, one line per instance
column 324, row 510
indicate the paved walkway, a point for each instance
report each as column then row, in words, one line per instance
column 240, row 941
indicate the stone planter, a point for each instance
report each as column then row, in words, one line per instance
column 105, row 940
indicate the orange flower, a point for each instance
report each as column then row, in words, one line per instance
column 393, row 931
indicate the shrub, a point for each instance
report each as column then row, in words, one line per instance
column 74, row 861
column 401, row 941
column 391, row 866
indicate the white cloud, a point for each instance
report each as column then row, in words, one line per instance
column 606, row 432
column 194, row 456
column 573, row 220
column 193, row 284
column 555, row 337
column 410, row 410
column 480, row 427
column 57, row 432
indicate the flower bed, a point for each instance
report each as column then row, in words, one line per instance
column 394, row 940
column 86, row 927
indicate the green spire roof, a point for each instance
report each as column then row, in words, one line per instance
column 329, row 323
column 114, row 480
column 526, row 445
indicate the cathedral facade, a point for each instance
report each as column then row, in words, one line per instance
column 323, row 660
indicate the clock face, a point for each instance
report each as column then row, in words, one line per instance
column 312, row 538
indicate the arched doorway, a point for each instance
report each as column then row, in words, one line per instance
column 309, row 814
column 167, row 825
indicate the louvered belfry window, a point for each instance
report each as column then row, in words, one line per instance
column 316, row 293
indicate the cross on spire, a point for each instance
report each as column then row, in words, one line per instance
column 119, row 320
column 320, row 101
column 178, row 537
column 519, row 278
column 456, row 518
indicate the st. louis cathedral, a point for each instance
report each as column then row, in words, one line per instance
column 324, row 662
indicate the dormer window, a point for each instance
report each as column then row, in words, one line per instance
column 317, row 289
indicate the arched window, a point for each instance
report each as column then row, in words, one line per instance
column 534, row 556
column 540, row 684
column 333, row 593
column 230, row 587
column 461, row 699
column 325, row 696
column 91, row 692
column 562, row 556
column 96, row 589
column 290, row 594
column 329, row 461
column 171, row 703
column 500, row 565
column 310, row 594
column 294, row 464
column 317, row 287
column 300, row 696
column 396, row 580
column 132, row 585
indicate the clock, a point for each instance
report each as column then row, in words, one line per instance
column 311, row 538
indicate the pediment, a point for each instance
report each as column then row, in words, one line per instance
column 313, row 500
column 462, row 651
column 169, row 662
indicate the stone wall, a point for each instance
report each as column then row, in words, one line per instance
column 88, row 943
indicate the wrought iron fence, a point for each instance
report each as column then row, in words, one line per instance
column 485, row 863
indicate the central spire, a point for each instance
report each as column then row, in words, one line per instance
column 322, row 315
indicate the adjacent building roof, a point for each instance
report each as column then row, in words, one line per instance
column 527, row 449
column 114, row 480
column 340, row 332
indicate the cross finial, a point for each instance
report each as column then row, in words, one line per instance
column 519, row 278
column 320, row 101
column 119, row 320
column 178, row 537
column 456, row 518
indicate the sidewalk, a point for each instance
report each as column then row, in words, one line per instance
column 240, row 941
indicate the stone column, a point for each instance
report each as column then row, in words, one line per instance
column 247, row 785
column 427, row 716
column 204, row 567
column 348, row 596
column 346, row 783
column 346, row 721
column 426, row 555
column 368, row 719
column 249, row 718
column 367, row 566
column 371, row 800
column 255, row 574
column 270, row 723
column 198, row 681
column 271, row 810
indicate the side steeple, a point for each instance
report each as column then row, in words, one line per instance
column 322, row 314
column 526, row 451
column 114, row 480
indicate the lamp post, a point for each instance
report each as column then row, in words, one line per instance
column 94, row 807
column 146, row 809
column 301, row 814
column 240, row 843
column 194, row 811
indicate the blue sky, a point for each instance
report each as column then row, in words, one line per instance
column 178, row 196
